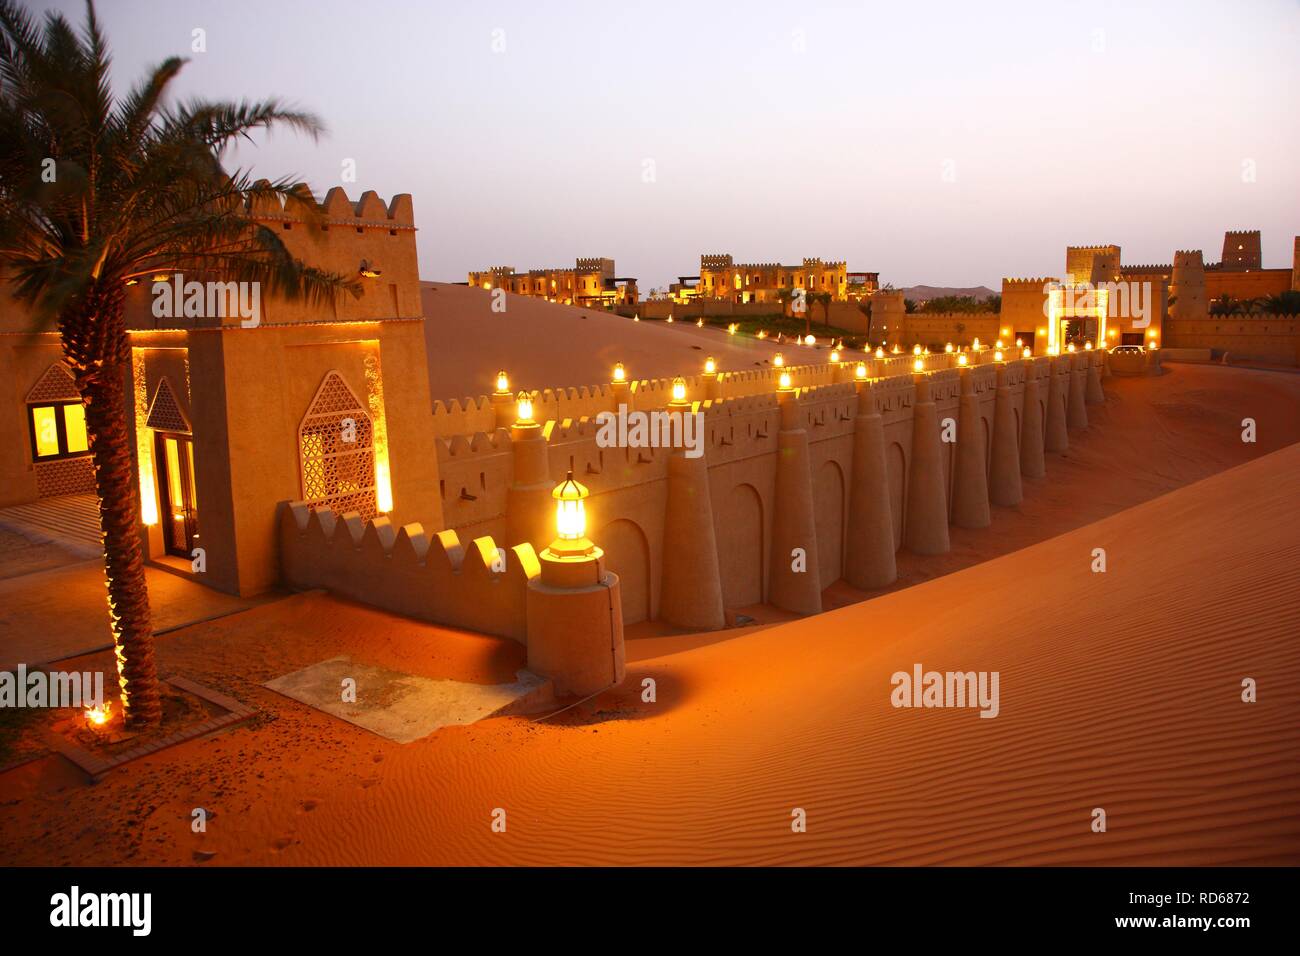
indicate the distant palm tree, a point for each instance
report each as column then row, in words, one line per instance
column 97, row 191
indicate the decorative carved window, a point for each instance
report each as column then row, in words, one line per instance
column 336, row 450
column 166, row 414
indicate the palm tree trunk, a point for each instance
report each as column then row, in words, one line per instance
column 95, row 341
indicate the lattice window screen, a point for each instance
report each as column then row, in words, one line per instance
column 336, row 471
column 55, row 385
column 166, row 414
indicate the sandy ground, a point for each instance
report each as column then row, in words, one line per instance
column 547, row 346
column 1119, row 691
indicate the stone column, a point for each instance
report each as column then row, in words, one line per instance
column 794, row 524
column 1095, row 394
column 869, row 561
column 1004, row 470
column 970, row 492
column 926, row 528
column 691, row 592
column 575, row 623
column 1076, row 410
column 529, row 508
column 1058, row 384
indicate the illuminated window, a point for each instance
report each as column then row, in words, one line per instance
column 58, row 430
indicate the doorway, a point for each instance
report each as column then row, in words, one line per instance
column 176, row 483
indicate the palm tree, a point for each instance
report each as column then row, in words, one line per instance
column 98, row 191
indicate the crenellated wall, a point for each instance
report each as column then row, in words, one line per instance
column 779, row 469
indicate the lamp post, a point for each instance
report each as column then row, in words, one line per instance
column 503, row 401
column 575, row 612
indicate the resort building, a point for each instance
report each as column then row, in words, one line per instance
column 591, row 282
column 721, row 277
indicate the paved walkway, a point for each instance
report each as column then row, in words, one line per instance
column 71, row 521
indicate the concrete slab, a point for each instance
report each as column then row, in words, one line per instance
column 405, row 707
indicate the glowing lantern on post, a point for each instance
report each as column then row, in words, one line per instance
column 1087, row 346
column 679, row 391
column 503, row 383
column 810, row 340
column 961, row 359
column 1026, row 353
column 524, row 409
column 997, row 356
column 975, row 345
column 1071, row 347
column 784, row 382
column 619, row 374
column 860, row 371
column 710, row 366
column 1020, row 343
column 916, row 349
column 918, row 365
column 779, row 360
column 835, row 355
column 948, row 347
column 880, row 353
column 570, row 513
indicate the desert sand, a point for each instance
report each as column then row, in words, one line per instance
column 543, row 345
column 1119, row 691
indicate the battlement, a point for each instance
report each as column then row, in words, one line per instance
column 715, row 261
column 337, row 209
column 431, row 577
column 1039, row 282
column 1147, row 269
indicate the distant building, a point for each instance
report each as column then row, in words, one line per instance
column 592, row 282
column 721, row 277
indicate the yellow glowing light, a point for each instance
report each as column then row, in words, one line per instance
column 670, row 319
column 916, row 349
column 779, row 360
column 1087, row 346
column 1020, row 342
column 524, row 409
column 503, row 382
column 98, row 715
column 880, row 353
column 731, row 329
column 762, row 333
column 679, row 390
column 1026, row 353
column 975, row 345
column 948, row 347
column 570, row 513
column 1113, row 333
column 636, row 318
column 961, row 358
column 700, row 323
column 1006, row 331
column 835, row 355
column 918, row 365
column 810, row 340
column 896, row 348
column 1070, row 347
column 619, row 373
column 998, row 344
column 710, row 366
column 383, row 487
column 997, row 356
column 784, row 380
column 861, row 370
column 1151, row 334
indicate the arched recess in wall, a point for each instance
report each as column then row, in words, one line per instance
column 896, row 461
column 828, row 500
column 627, row 554
column 739, row 528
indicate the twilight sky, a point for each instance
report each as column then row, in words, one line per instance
column 948, row 143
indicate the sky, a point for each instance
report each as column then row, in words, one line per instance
column 945, row 143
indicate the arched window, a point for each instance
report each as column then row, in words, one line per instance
column 336, row 450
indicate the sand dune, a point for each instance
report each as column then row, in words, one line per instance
column 546, row 346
